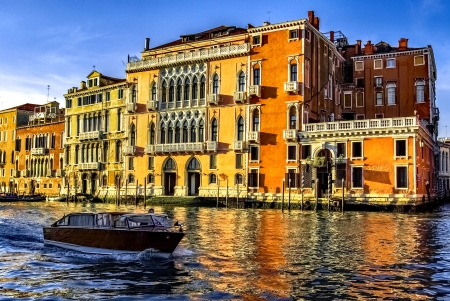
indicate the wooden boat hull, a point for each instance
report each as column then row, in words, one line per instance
column 112, row 240
column 22, row 199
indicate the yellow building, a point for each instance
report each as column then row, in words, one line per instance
column 10, row 119
column 187, row 114
column 95, row 135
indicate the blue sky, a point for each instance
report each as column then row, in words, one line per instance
column 57, row 43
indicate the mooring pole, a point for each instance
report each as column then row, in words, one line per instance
column 226, row 196
column 282, row 196
column 126, row 191
column 135, row 196
column 218, row 190
column 343, row 191
column 68, row 190
column 145, row 193
column 289, row 194
column 118, row 200
column 237, row 199
column 316, row 184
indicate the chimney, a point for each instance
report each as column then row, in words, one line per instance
column 75, row 89
column 368, row 48
column 82, row 85
column 147, row 44
column 265, row 23
column 332, row 36
column 358, row 47
column 316, row 22
column 402, row 44
column 311, row 17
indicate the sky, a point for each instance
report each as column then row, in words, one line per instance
column 57, row 43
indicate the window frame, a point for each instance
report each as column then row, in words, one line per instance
column 250, row 172
column 405, row 156
column 352, row 167
column 356, row 99
column 375, row 61
column 295, row 32
column 423, row 60
column 420, row 83
column 388, row 63
column 351, row 100
column 357, row 63
column 397, row 174
column 361, row 157
column 288, row 158
column 257, row 153
column 391, row 91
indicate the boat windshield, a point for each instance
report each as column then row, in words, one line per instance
column 77, row 220
column 103, row 219
column 143, row 220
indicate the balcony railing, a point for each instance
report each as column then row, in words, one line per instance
column 238, row 145
column 213, row 99
column 152, row 105
column 290, row 134
column 240, row 96
column 211, row 146
column 131, row 107
column 150, row 149
column 253, row 136
column 39, row 151
column 179, row 147
column 362, row 124
column 89, row 166
column 129, row 150
column 291, row 87
column 254, row 90
column 185, row 57
column 93, row 135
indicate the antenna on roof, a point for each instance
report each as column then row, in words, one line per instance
column 48, row 91
column 93, row 67
column 268, row 12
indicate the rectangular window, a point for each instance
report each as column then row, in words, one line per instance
column 293, row 72
column 378, row 64
column 306, row 151
column 347, row 100
column 401, row 175
column 360, row 116
column 307, row 72
column 401, row 148
column 293, row 34
column 213, row 162
column 254, row 153
column 360, row 82
column 108, row 96
column 325, row 50
column 256, row 40
column 95, row 81
column 151, row 163
column 18, row 144
column 357, row 177
column 360, row 99
column 253, row 178
column 120, row 92
column 256, row 76
column 359, row 65
column 357, row 150
column 292, row 153
column 307, row 35
column 378, row 82
column 419, row 60
column 239, row 159
column 79, row 103
column 391, row 94
column 379, row 116
column 341, row 150
column 90, row 83
column 378, row 98
column 420, row 92
column 390, row 63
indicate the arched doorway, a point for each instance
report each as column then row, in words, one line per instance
column 93, row 183
column 323, row 165
column 193, row 176
column 84, row 179
column 170, row 177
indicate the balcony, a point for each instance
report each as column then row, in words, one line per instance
column 240, row 96
column 150, row 149
column 89, row 166
column 290, row 134
column 152, row 105
column 131, row 107
column 348, row 127
column 16, row 173
column 253, row 136
column 254, row 90
column 93, row 135
column 190, row 57
column 179, row 147
column 39, row 151
column 60, row 172
column 211, row 146
column 291, row 87
column 25, row 173
column 213, row 99
column 129, row 150
column 238, row 145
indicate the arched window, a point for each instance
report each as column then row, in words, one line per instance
column 133, row 135
column 105, row 151
column 194, row 164
column 185, row 132
column 179, row 90
column 130, row 178
column 153, row 92
column 214, row 129
column 293, row 118
column 163, row 134
column 201, row 126
column 215, row 86
column 77, row 154
column 240, row 129
column 256, row 75
column 241, row 82
column 238, row 179
column 187, row 87
column 212, row 179
column 170, row 133
column 177, row 132
column 107, row 121
column 420, row 91
column 171, row 91
column 118, row 151
column 195, row 88
column 391, row 93
column 202, row 87
column 293, row 73
column 133, row 94
column 170, row 164
column 104, row 180
column 152, row 134
column 255, row 120
column 83, row 154
column 164, row 91
column 119, row 119
column 193, row 131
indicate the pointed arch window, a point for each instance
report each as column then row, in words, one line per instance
column 293, row 72
column 107, row 121
column 293, row 118
column 214, row 129
column 133, row 135
column 179, row 90
column 202, row 87
column 240, row 129
column 119, row 119
column 77, row 154
column 201, row 126
column 193, row 131
column 187, row 87
column 170, row 164
column 185, row 132
column 215, row 86
column 255, row 120
column 241, row 82
column 177, row 132
column 170, row 133
column 164, row 91
column 194, row 164
column 195, row 88
column 256, row 75
column 118, row 151
column 134, row 94
column 171, row 91
column 152, row 134
column 163, row 134
column 153, row 92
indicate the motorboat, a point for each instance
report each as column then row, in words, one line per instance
column 12, row 197
column 115, row 233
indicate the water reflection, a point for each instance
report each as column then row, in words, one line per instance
column 235, row 254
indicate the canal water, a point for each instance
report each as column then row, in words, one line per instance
column 236, row 254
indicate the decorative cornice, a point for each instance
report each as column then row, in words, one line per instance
column 390, row 54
